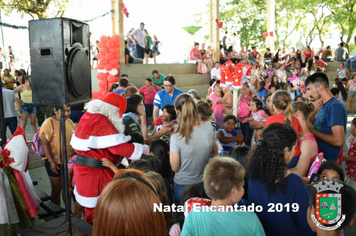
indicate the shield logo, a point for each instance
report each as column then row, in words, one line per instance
column 328, row 208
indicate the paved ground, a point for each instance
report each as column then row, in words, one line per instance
column 38, row 172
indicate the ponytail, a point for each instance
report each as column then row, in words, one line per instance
column 288, row 114
column 185, row 104
column 282, row 101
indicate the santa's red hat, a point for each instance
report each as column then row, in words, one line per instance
column 117, row 101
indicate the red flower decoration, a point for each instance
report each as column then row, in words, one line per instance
column 158, row 121
column 5, row 159
column 124, row 9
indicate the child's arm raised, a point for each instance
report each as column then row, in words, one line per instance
column 108, row 163
column 348, row 158
column 220, row 136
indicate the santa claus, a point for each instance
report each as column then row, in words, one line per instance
column 100, row 134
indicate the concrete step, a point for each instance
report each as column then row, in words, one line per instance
column 201, row 89
column 181, row 80
column 145, row 70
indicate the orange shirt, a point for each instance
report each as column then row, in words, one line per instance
column 280, row 119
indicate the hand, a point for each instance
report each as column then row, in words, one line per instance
column 166, row 129
column 20, row 116
column 107, row 163
column 318, row 104
column 54, row 167
column 310, row 126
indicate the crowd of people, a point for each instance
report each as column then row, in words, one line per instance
column 138, row 148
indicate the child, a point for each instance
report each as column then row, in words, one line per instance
column 230, row 135
column 168, row 117
column 223, row 183
column 258, row 115
column 252, row 86
column 262, row 72
column 255, row 73
column 282, row 76
column 275, row 82
column 262, row 93
column 248, row 67
column 78, row 210
column 272, row 88
column 350, row 156
column 205, row 113
column 283, row 110
column 270, row 71
column 351, row 86
column 219, row 102
column 335, row 92
column 267, row 83
column 210, row 89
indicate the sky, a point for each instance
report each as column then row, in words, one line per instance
column 164, row 18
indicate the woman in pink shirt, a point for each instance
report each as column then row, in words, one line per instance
column 195, row 56
column 149, row 91
column 219, row 102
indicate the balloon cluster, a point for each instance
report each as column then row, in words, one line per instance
column 108, row 66
column 266, row 34
column 231, row 74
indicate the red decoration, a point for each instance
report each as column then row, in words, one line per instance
column 124, row 9
column 5, row 159
column 271, row 33
column 220, row 23
column 265, row 34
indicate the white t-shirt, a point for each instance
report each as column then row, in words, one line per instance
column 236, row 43
column 281, row 54
column 140, row 37
column 215, row 72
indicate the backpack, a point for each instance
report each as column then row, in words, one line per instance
column 36, row 143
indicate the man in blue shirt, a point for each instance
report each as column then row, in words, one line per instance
column 328, row 122
column 166, row 96
column 123, row 83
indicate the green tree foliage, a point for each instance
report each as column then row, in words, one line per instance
column 247, row 18
column 35, row 8
column 344, row 15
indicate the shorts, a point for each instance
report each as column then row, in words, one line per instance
column 147, row 50
column 28, row 108
column 352, row 94
column 0, row 64
column 132, row 49
column 318, row 70
column 149, row 110
column 95, row 59
column 49, row 170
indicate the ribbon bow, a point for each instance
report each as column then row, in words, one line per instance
column 5, row 159
column 124, row 9
column 220, row 23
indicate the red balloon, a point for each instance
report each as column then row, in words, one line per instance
column 117, row 44
column 111, row 79
column 116, row 56
column 113, row 50
column 101, row 76
column 100, row 97
column 109, row 56
column 117, row 67
column 110, row 44
column 103, row 50
column 99, row 56
column 113, row 62
column 101, row 89
column 104, row 93
column 101, row 45
column 103, row 83
column 265, row 34
column 115, row 38
column 95, row 94
column 108, row 67
column 104, row 61
column 271, row 33
column 104, row 39
column 100, row 66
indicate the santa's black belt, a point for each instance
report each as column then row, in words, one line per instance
column 90, row 162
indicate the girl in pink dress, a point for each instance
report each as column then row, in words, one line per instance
column 257, row 115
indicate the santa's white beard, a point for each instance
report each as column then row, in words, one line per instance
column 111, row 112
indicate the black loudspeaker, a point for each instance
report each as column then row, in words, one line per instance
column 60, row 61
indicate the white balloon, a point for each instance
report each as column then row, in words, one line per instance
column 102, row 71
column 113, row 71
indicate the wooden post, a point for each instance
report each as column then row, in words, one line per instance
column 214, row 29
column 118, row 26
column 270, row 23
column 235, row 97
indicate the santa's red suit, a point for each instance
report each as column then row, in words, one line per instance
column 95, row 138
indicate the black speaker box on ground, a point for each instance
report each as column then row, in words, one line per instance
column 60, row 61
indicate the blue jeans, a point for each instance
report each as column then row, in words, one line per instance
column 179, row 190
column 353, row 63
column 140, row 51
column 11, row 122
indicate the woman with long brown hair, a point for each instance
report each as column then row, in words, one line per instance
column 125, row 207
column 191, row 146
